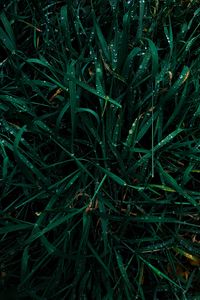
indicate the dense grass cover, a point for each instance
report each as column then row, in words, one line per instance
column 100, row 145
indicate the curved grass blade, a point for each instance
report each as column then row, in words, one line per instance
column 7, row 36
column 101, row 38
column 174, row 89
column 158, row 272
column 177, row 187
column 154, row 55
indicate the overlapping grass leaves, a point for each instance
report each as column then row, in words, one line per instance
column 99, row 109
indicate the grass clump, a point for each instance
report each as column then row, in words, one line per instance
column 100, row 142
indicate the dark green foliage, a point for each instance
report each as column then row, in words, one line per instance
column 100, row 139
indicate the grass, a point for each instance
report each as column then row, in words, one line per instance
column 100, row 140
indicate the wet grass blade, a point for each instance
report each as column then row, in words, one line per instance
column 99, row 149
